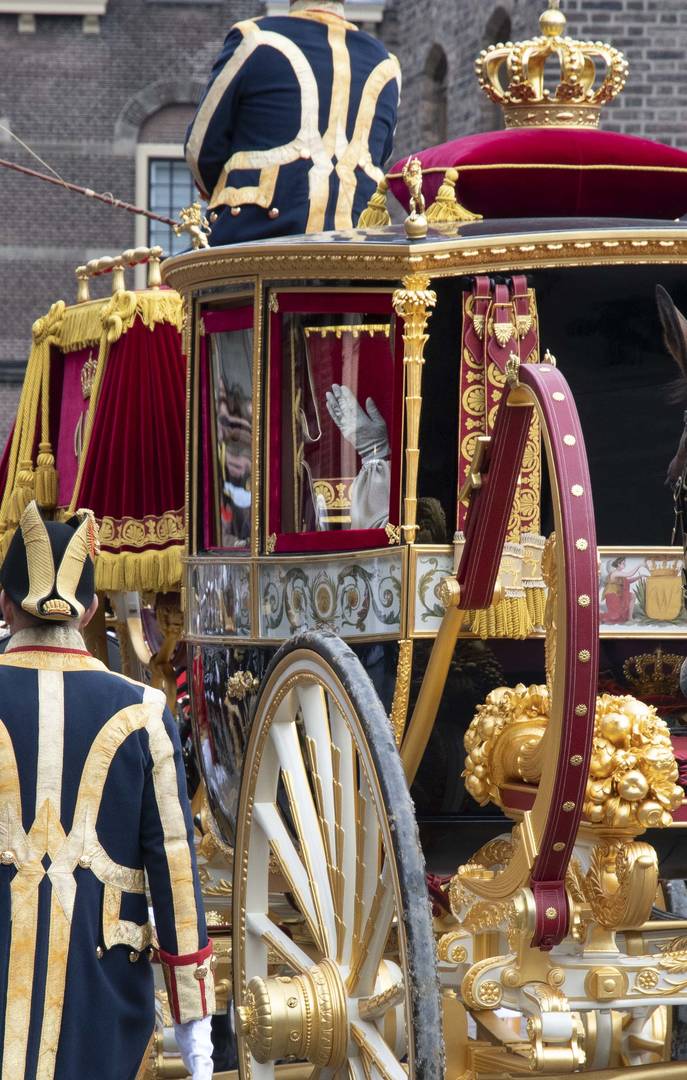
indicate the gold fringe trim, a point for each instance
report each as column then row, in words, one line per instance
column 376, row 212
column 509, row 618
column 140, row 571
column 83, row 323
column 446, row 209
column 82, row 326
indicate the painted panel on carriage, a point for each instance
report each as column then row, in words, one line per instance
column 219, row 600
column 355, row 598
column 430, row 571
column 640, row 592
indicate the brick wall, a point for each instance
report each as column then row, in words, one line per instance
column 652, row 33
column 83, row 100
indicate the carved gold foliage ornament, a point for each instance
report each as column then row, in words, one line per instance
column 633, row 772
column 399, row 705
column 240, row 684
column 451, row 947
column 620, row 885
column 674, row 955
column 500, row 740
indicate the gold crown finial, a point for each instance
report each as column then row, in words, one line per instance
column 552, row 22
column 591, row 74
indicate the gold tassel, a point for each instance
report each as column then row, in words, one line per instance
column 376, row 213
column 446, row 209
column 46, row 477
column 536, row 604
column 23, row 492
column 507, row 619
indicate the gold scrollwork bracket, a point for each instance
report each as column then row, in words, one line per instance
column 413, row 304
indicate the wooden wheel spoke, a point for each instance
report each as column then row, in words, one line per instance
column 345, row 762
column 314, row 710
column 315, row 823
column 375, row 1053
column 308, row 828
column 369, row 950
column 353, row 1070
column 262, row 927
column 269, row 820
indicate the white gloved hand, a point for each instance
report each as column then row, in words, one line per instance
column 365, row 430
column 194, row 1039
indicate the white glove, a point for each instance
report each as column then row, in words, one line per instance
column 365, row 430
column 194, row 1040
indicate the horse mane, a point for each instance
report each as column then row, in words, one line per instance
column 674, row 326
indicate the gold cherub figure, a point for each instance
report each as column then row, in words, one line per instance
column 416, row 222
column 194, row 222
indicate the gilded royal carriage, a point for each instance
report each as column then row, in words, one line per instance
column 428, row 555
column 433, row 614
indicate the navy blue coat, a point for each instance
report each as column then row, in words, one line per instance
column 294, row 127
column 92, row 793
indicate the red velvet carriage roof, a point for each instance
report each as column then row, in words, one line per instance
column 101, row 425
column 556, row 172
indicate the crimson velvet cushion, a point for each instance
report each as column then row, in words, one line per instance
column 557, row 173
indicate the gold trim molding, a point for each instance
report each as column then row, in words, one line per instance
column 463, row 254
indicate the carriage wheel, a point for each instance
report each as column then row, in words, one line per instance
column 349, row 984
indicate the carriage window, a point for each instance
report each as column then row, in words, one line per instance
column 229, row 364
column 333, row 439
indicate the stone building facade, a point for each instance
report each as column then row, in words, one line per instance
column 102, row 91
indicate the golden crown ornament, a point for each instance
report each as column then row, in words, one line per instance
column 655, row 673
column 592, row 73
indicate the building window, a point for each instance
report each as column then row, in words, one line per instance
column 170, row 188
column 163, row 182
column 497, row 31
column 434, row 98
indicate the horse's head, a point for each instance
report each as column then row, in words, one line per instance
column 675, row 338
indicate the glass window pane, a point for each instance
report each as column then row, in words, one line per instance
column 170, row 188
column 338, row 379
column 232, row 378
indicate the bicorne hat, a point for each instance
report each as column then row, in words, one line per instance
column 49, row 568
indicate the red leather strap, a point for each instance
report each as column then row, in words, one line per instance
column 486, row 530
column 490, row 508
column 503, row 339
column 524, row 309
column 577, row 535
column 553, row 917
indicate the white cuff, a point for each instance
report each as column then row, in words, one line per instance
column 194, row 1039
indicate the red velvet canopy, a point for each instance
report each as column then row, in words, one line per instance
column 100, row 424
column 133, row 472
column 555, row 172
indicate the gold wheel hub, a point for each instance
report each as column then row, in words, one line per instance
column 303, row 1016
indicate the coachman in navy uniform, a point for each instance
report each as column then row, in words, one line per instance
column 92, row 799
column 295, row 125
